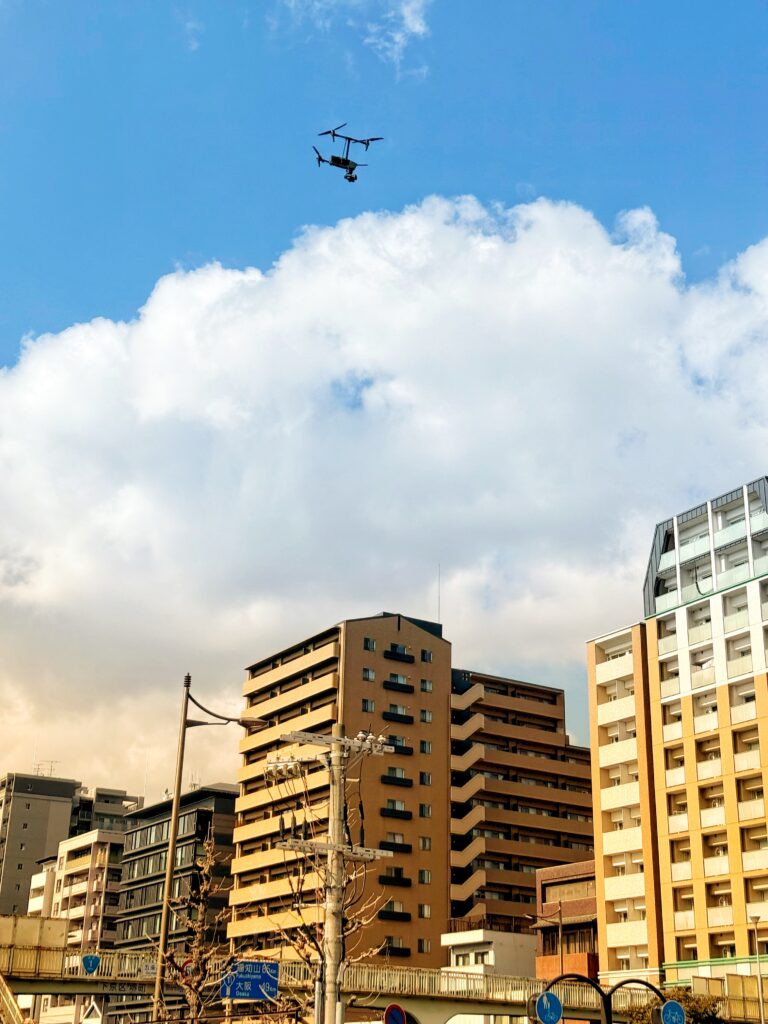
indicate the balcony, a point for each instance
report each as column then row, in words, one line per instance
column 617, row 753
column 751, row 809
column 404, row 883
column 388, row 844
column 396, row 951
column 757, row 910
column 684, row 919
column 667, row 561
column 408, row 659
column 681, row 870
column 694, row 547
column 743, row 712
column 395, row 780
column 702, row 677
column 622, row 841
column 716, row 865
column 668, row 643
column 754, row 860
column 736, row 620
column 399, row 748
column 627, row 933
column 697, row 634
column 731, row 533
column 675, row 776
column 731, row 577
column 746, row 759
column 614, row 797
column 397, row 716
column 614, row 668
column 616, row 710
column 678, row 822
column 392, row 684
column 621, row 887
column 706, row 722
column 394, row 812
column 672, row 731
column 712, row 816
column 666, row 601
column 710, row 769
column 718, row 917
column 758, row 521
column 394, row 915
column 761, row 565
column 764, row 610
column 740, row 666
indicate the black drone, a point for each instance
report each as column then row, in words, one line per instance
column 343, row 162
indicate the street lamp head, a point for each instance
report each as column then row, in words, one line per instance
column 755, row 919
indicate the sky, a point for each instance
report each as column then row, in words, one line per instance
column 242, row 398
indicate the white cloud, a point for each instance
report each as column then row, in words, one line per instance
column 518, row 395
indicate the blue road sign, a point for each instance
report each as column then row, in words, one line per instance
column 672, row 1012
column 250, row 979
column 549, row 1009
column 394, row 1014
column 91, row 963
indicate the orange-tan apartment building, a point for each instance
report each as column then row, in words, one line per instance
column 391, row 675
column 679, row 727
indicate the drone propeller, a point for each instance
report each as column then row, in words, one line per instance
column 320, row 159
column 332, row 131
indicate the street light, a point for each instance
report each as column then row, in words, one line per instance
column 755, row 921
column 165, row 913
column 558, row 915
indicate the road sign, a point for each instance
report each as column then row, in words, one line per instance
column 394, row 1014
column 250, row 979
column 549, row 1009
column 672, row 1012
column 91, row 963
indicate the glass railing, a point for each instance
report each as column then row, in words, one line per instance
column 758, row 521
column 668, row 600
column 735, row 575
column 667, row 560
column 731, row 533
column 761, row 565
column 694, row 547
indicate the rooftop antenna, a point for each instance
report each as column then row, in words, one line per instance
column 44, row 768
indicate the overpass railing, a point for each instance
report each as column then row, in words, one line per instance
column 9, row 1008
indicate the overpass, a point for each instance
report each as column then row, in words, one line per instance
column 430, row 996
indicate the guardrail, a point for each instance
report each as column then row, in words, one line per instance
column 9, row 1008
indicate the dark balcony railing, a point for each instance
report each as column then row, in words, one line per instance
column 403, row 882
column 388, row 844
column 395, row 780
column 396, row 716
column 402, row 749
column 394, row 915
column 393, row 812
column 391, row 684
column 397, row 656
column 396, row 951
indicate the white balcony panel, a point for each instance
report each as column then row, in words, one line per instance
column 746, row 759
column 698, row 634
column 620, row 796
column 675, row 776
column 709, row 769
column 754, row 860
column 730, row 577
column 681, row 870
column 678, row 823
column 614, row 668
column 740, row 666
column 751, row 809
column 694, row 547
column 669, row 687
column 667, row 560
column 764, row 610
column 668, row 643
column 702, row 677
column 737, row 620
column 705, row 723
column 672, row 731
column 761, row 565
column 624, row 841
column 716, row 866
column 666, row 601
column 623, row 887
column 712, row 816
column 719, row 917
column 684, row 919
column 731, row 533
column 743, row 712
column 617, row 753
column 616, row 710
column 627, row 933
column 758, row 910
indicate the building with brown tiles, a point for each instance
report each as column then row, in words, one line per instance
column 566, row 920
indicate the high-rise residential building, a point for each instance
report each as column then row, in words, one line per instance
column 391, row 675
column 206, row 812
column 679, row 725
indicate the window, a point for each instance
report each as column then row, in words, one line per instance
column 396, row 773
column 369, row 644
column 425, row 842
column 426, row 686
column 425, row 715
column 368, row 704
column 394, row 905
column 481, row 958
column 425, row 778
column 19, row 867
column 22, row 846
column 369, row 675
column 398, row 649
column 425, row 746
column 426, row 655
column 425, row 910
column 425, row 876
column 27, row 807
column 395, row 805
column 24, row 826
column 462, row 959
column 398, row 709
column 395, row 837
column 425, row 810
column 425, row 945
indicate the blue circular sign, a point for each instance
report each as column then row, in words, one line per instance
column 672, row 1012
column 394, row 1014
column 549, row 1009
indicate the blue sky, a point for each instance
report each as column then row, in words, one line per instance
column 142, row 136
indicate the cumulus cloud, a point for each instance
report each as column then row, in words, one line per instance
column 517, row 395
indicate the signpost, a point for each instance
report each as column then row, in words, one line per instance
column 251, row 979
column 91, row 963
column 672, row 1012
column 394, row 1014
column 549, row 1009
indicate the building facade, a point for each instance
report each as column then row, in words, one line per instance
column 679, row 718
column 480, row 789
column 566, row 920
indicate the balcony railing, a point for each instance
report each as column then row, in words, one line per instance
column 737, row 574
column 667, row 560
column 667, row 600
column 694, row 547
column 398, row 656
column 392, row 684
column 743, row 712
column 397, row 716
column 701, row 632
column 702, row 677
column 396, row 780
column 731, row 533
column 736, row 620
column 740, row 666
column 758, row 521
column 668, row 643
column 395, row 812
column 394, row 915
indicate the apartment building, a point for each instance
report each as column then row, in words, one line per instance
column 481, row 788
column 566, row 920
column 679, row 716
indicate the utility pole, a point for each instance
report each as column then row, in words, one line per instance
column 328, row 1006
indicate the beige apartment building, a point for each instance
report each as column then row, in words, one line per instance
column 480, row 789
column 679, row 726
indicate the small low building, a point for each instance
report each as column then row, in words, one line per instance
column 566, row 920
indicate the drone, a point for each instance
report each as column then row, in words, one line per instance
column 343, row 162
